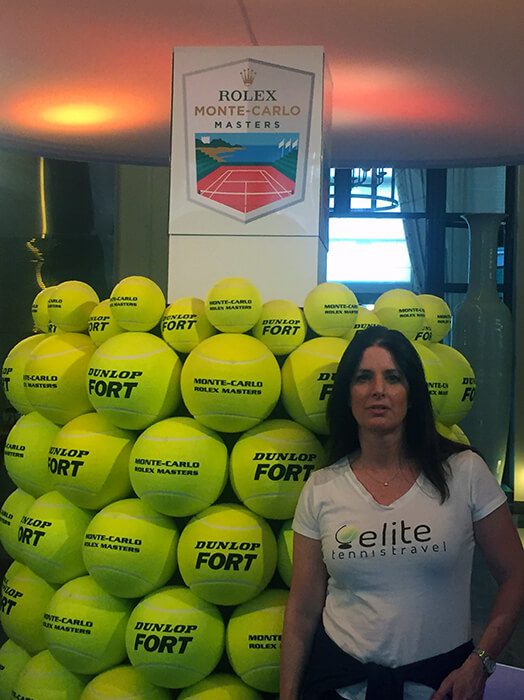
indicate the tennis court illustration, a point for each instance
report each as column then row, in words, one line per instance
column 245, row 172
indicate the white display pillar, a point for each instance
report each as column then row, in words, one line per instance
column 249, row 180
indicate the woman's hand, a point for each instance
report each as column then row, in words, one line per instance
column 465, row 683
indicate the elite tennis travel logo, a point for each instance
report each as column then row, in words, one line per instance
column 396, row 538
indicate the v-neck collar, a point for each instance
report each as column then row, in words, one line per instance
column 397, row 503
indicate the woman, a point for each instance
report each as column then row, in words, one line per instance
column 379, row 606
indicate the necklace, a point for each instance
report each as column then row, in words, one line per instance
column 380, row 481
column 384, row 483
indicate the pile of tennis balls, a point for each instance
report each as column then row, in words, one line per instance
column 158, row 459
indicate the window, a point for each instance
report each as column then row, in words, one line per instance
column 367, row 242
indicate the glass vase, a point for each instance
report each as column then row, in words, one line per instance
column 483, row 333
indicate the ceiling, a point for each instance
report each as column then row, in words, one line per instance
column 415, row 82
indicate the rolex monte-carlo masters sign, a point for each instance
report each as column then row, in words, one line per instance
column 248, row 188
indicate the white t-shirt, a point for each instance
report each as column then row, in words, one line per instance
column 398, row 575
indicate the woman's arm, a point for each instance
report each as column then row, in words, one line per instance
column 303, row 611
column 498, row 539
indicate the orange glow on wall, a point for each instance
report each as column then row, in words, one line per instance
column 74, row 115
column 60, row 110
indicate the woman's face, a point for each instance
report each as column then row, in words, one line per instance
column 379, row 392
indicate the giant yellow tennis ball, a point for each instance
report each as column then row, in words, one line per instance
column 331, row 309
column 461, row 384
column 453, row 432
column 13, row 508
column 230, row 382
column 227, row 554
column 281, row 326
column 233, row 305
column 365, row 318
column 12, row 660
column 123, row 683
column 253, row 640
column 173, row 638
column 400, row 310
column 84, row 626
column 220, row 686
column 54, row 376
column 137, row 303
column 25, row 597
column 25, row 453
column 133, row 380
column 130, row 549
column 178, row 467
column 44, row 677
column 87, row 461
column 13, row 372
column 185, row 324
column 39, row 309
column 270, row 464
column 437, row 319
column 70, row 305
column 285, row 552
column 51, row 533
column 102, row 324
column 307, row 381
column 435, row 376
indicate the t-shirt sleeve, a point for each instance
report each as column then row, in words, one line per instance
column 305, row 521
column 485, row 493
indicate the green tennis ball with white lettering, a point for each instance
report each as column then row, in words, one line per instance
column 84, row 626
column 281, row 326
column 12, row 660
column 88, row 461
column 253, row 640
column 178, row 466
column 331, row 309
column 437, row 319
column 54, row 376
column 25, row 453
column 227, row 554
column 123, row 683
column 285, row 552
column 365, row 318
column 102, row 324
column 185, row 324
column 233, row 305
column 39, row 309
column 270, row 464
column 307, row 381
column 220, row 686
column 25, row 597
column 13, row 371
column 130, row 549
column 400, row 310
column 461, row 381
column 70, row 305
column 435, row 376
column 51, row 534
column 137, row 303
column 174, row 638
column 13, row 508
column 230, row 382
column 133, row 380
column 44, row 678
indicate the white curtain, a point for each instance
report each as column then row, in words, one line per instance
column 411, row 188
column 469, row 190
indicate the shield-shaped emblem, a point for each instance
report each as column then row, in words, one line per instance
column 247, row 137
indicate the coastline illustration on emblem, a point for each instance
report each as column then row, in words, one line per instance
column 246, row 171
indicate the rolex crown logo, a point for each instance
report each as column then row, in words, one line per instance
column 248, row 76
